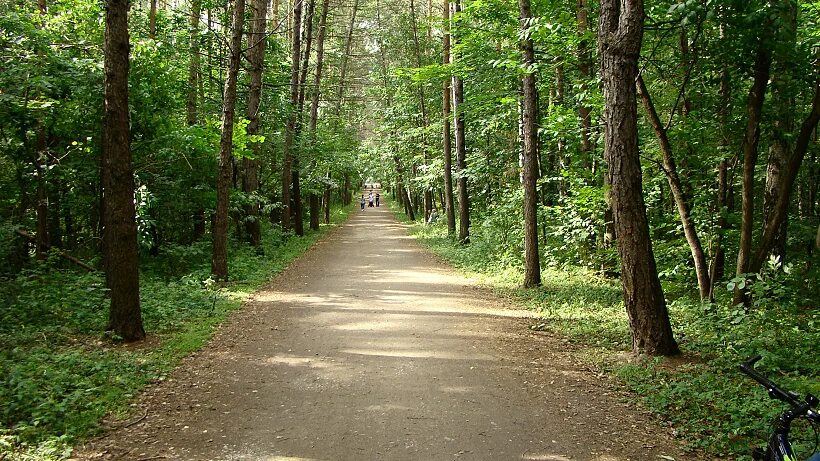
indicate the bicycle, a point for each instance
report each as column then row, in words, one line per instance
column 779, row 448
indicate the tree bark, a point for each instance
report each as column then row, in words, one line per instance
column 193, row 64
column 461, row 154
column 446, row 141
column 428, row 193
column 250, row 166
column 621, row 26
column 287, row 162
column 670, row 169
column 219, row 264
column 119, row 220
column 152, row 20
column 532, row 264
column 314, row 104
column 754, row 107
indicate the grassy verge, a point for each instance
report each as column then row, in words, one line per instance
column 60, row 376
column 702, row 394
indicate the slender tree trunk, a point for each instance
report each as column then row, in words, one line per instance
column 346, row 57
column 670, row 169
column 152, row 20
column 446, row 141
column 461, row 154
column 754, row 107
column 287, row 162
column 40, row 164
column 120, row 225
column 314, row 104
column 219, row 264
column 193, row 64
column 532, row 264
column 250, row 166
column 298, row 209
column 782, row 102
column 428, row 195
column 621, row 26
column 585, row 71
column 718, row 262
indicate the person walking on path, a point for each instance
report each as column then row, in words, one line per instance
column 370, row 199
column 361, row 202
column 377, row 204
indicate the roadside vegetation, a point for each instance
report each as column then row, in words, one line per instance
column 62, row 375
column 701, row 393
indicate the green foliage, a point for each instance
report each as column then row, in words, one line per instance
column 61, row 375
column 711, row 405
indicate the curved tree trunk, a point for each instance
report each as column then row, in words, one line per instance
column 681, row 201
column 621, row 26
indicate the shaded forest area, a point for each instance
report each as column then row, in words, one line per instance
column 647, row 173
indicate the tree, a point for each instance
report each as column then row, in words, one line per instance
column 532, row 264
column 290, row 133
column 445, row 122
column 461, row 154
column 621, row 29
column 250, row 166
column 122, row 258
column 219, row 264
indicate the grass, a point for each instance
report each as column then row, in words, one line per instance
column 711, row 406
column 60, row 375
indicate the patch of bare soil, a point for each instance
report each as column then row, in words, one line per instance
column 369, row 348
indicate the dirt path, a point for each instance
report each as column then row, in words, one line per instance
column 368, row 348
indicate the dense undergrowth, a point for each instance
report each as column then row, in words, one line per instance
column 702, row 394
column 61, row 375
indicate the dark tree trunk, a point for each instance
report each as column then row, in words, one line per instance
column 119, row 220
column 250, row 167
column 219, row 265
column 532, row 265
column 621, row 26
column 754, row 107
column 290, row 134
column 446, row 141
column 314, row 211
column 314, row 104
column 193, row 64
column 40, row 165
column 298, row 212
column 461, row 155
column 152, row 20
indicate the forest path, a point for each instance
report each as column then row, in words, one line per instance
column 369, row 348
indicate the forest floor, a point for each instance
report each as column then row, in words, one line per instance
column 368, row 347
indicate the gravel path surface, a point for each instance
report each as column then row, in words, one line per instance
column 369, row 348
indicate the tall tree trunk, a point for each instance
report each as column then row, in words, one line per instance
column 250, row 166
column 287, row 162
column 754, row 107
column 428, row 193
column 585, row 70
column 781, row 207
column 219, row 264
column 193, row 64
column 782, row 102
column 670, row 169
column 314, row 104
column 621, row 26
column 532, row 264
column 298, row 209
column 152, row 20
column 346, row 58
column 40, row 165
column 445, row 120
column 718, row 262
column 120, row 224
column 461, row 154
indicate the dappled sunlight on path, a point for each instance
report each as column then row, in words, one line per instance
column 368, row 348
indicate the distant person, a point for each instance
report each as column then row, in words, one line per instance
column 377, row 199
column 433, row 217
column 370, row 200
column 361, row 202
